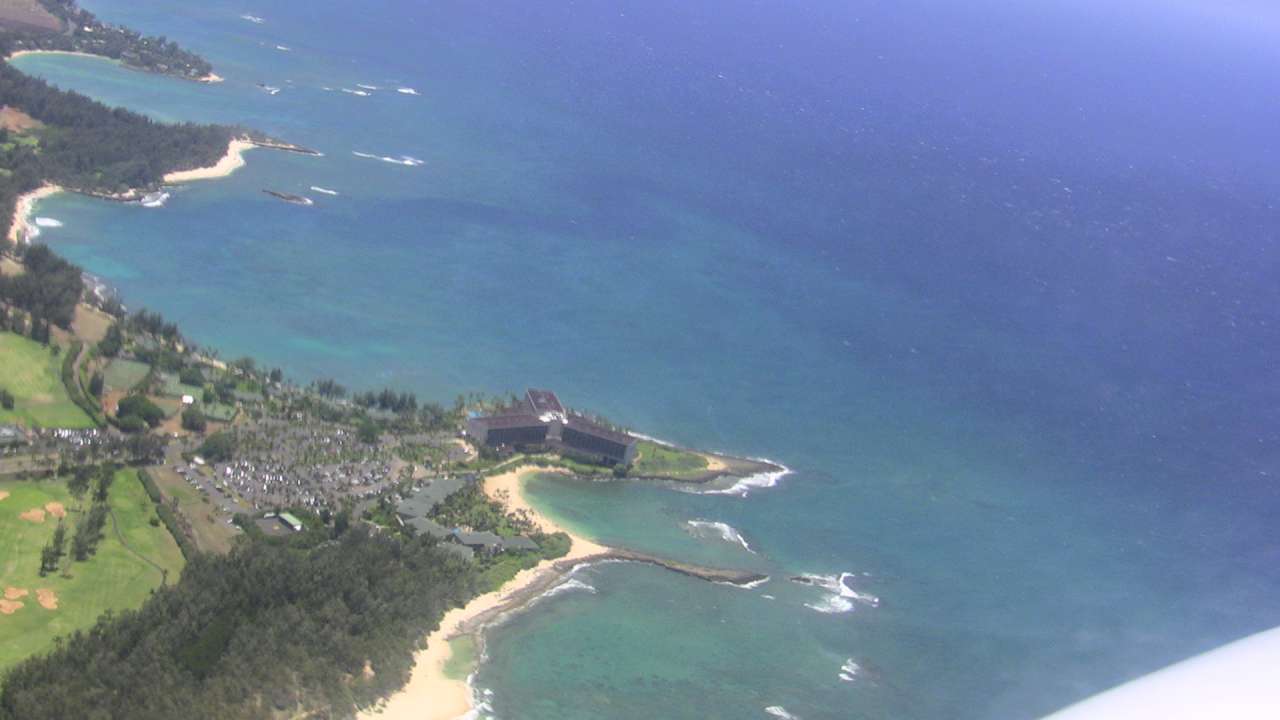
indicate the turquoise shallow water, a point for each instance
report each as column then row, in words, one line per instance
column 1016, row 339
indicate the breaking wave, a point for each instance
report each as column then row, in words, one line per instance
column 45, row 222
column 841, row 597
column 780, row 712
column 407, row 91
column 849, row 670
column 760, row 480
column 406, row 160
column 724, row 531
column 323, row 191
column 570, row 585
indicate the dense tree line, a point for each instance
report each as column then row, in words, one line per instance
column 313, row 624
column 49, row 288
column 86, row 33
column 86, row 146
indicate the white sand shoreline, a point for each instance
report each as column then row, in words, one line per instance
column 429, row 694
column 232, row 161
column 20, row 226
column 210, row 79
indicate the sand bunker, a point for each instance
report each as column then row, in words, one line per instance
column 35, row 515
column 9, row 607
column 56, row 509
column 4, row 494
column 47, row 599
column 13, row 593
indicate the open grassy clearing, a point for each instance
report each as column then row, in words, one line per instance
column 112, row 579
column 33, row 375
column 662, row 461
column 124, row 375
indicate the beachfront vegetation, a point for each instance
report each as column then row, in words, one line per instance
column 131, row 558
column 32, row 376
column 85, row 146
column 83, row 32
column 309, row 626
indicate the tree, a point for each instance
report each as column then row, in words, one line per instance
column 78, row 483
column 191, row 376
column 113, row 342
column 194, row 420
column 54, row 550
column 95, row 385
column 6, row 399
column 106, row 476
column 367, row 431
column 139, row 406
column 145, row 448
column 219, row 447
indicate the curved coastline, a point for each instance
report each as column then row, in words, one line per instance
column 20, row 226
column 229, row 163
column 430, row 694
column 209, row 79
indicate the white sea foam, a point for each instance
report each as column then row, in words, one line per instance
column 726, row 532
column 849, row 670
column 406, row 160
column 360, row 93
column 768, row 597
column 407, row 91
column 570, row 585
column 45, row 222
column 323, row 191
column 780, row 712
column 841, row 596
column 284, row 48
column 154, row 199
column 253, row 19
column 367, row 87
column 760, row 480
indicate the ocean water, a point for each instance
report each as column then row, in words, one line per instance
column 996, row 280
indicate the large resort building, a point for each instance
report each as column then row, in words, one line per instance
column 539, row 422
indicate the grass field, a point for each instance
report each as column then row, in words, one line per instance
column 124, row 374
column 662, row 461
column 113, row 579
column 35, row 378
column 212, row 532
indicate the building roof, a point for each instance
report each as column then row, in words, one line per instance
column 498, row 422
column 543, row 402
column 584, row 425
column 519, row 542
column 421, row 503
column 478, row 539
column 460, row 550
column 291, row 520
column 426, row 526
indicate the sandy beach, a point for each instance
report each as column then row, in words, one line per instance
column 232, row 161
column 430, row 695
column 20, row 53
column 23, row 208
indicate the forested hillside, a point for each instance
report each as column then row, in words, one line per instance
column 325, row 625
column 84, row 145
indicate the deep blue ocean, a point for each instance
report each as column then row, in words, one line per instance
column 997, row 280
